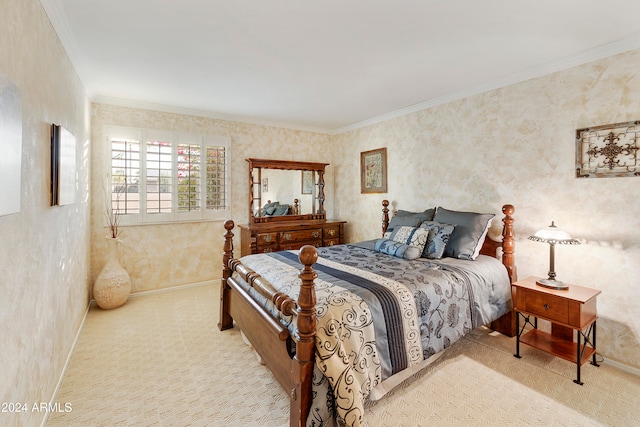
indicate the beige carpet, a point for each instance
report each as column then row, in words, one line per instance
column 160, row 361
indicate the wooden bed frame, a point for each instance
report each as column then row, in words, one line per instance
column 273, row 341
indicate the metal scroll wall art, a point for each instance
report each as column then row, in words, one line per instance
column 608, row 150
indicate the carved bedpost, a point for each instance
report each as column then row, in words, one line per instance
column 385, row 216
column 306, row 337
column 226, row 321
column 509, row 242
column 506, row 324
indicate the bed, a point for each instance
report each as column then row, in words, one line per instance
column 342, row 324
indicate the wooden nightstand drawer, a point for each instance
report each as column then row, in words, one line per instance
column 546, row 306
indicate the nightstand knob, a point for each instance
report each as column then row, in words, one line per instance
column 546, row 306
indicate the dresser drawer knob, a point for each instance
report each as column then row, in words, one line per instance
column 316, row 234
column 546, row 306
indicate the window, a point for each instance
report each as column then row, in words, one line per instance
column 160, row 176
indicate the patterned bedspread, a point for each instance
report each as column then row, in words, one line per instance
column 378, row 315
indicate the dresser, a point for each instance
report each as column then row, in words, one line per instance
column 288, row 235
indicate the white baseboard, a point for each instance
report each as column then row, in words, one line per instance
column 64, row 368
column 170, row 288
column 622, row 367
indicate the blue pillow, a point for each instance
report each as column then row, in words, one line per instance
column 411, row 219
column 413, row 236
column 438, row 237
column 397, row 249
column 269, row 208
column 467, row 238
column 280, row 210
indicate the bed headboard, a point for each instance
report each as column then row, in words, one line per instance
column 490, row 246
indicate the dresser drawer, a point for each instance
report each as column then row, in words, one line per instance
column 546, row 306
column 297, row 245
column 331, row 233
column 266, row 239
column 331, row 242
column 310, row 235
column 267, row 249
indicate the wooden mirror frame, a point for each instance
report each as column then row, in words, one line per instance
column 318, row 212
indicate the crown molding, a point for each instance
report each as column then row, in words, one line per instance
column 101, row 99
column 62, row 29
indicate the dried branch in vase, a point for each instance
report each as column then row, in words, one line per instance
column 112, row 215
column 113, row 221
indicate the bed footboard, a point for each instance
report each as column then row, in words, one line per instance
column 268, row 337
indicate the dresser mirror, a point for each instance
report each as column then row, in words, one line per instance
column 282, row 190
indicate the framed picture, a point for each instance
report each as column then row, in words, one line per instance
column 373, row 171
column 307, row 182
column 63, row 166
column 608, row 150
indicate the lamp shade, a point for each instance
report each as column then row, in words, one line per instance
column 553, row 236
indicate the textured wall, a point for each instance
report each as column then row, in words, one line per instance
column 158, row 256
column 44, row 251
column 517, row 145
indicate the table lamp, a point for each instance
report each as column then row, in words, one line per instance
column 553, row 236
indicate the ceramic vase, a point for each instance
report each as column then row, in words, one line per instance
column 113, row 285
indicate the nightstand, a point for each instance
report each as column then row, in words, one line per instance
column 569, row 310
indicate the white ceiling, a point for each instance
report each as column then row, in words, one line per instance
column 327, row 65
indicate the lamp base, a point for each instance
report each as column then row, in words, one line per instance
column 553, row 284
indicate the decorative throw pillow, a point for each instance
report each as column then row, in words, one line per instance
column 438, row 237
column 469, row 232
column 410, row 219
column 412, row 236
column 397, row 249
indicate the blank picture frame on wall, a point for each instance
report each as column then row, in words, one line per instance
column 63, row 166
column 10, row 146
